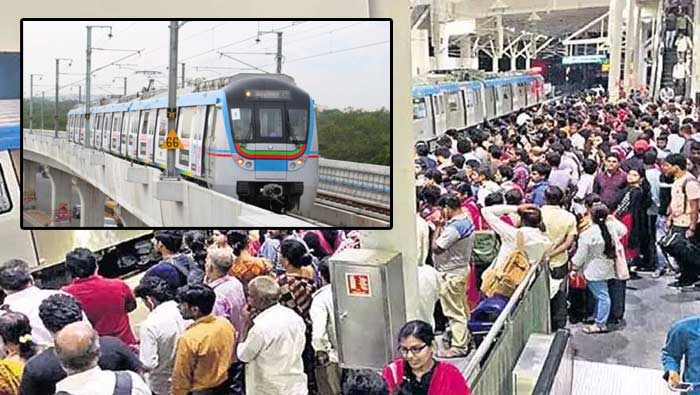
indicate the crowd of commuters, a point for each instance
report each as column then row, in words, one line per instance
column 599, row 190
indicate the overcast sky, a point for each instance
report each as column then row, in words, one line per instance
column 357, row 78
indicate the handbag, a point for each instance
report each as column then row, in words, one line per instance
column 577, row 281
column 511, row 274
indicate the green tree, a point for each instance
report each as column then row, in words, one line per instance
column 355, row 135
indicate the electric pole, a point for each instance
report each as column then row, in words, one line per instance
column 170, row 172
column 88, row 54
column 183, row 75
column 31, row 99
column 55, row 109
column 42, row 110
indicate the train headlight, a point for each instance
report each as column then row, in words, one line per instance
column 247, row 93
column 292, row 165
column 240, row 161
column 248, row 165
column 300, row 162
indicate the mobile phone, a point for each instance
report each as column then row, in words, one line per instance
column 683, row 387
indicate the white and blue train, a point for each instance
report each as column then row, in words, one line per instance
column 254, row 139
column 461, row 105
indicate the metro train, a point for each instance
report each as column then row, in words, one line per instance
column 461, row 105
column 249, row 136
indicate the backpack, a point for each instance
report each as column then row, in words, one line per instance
column 506, row 280
column 122, row 384
column 187, row 268
column 486, row 246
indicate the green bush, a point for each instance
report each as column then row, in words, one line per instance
column 355, row 135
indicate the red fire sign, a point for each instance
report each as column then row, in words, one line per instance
column 358, row 284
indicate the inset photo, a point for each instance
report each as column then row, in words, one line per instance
column 206, row 123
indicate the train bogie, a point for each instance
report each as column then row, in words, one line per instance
column 254, row 140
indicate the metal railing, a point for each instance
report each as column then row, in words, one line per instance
column 364, row 183
column 527, row 312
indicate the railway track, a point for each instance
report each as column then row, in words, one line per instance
column 355, row 205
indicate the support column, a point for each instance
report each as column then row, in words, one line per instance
column 615, row 47
column 402, row 236
column 695, row 87
column 61, row 187
column 92, row 205
column 513, row 61
column 130, row 220
column 29, row 170
column 641, row 80
column 631, row 45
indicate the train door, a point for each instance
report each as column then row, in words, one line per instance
column 454, row 111
column 81, row 138
column 97, row 132
column 106, row 131
column 115, row 136
column 197, row 140
column 150, row 132
column 271, row 138
column 439, row 114
column 490, row 97
column 143, row 137
column 464, row 101
column 185, row 128
column 126, row 123
column 469, row 103
column 161, row 155
column 507, row 99
column 134, row 134
column 422, row 122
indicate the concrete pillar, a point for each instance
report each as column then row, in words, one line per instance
column 468, row 59
column 29, row 170
column 92, row 205
column 419, row 48
column 513, row 62
column 61, row 187
column 641, row 80
column 631, row 45
column 695, row 87
column 129, row 220
column 402, row 236
column 615, row 47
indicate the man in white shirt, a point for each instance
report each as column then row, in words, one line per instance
column 78, row 351
column 274, row 343
column 24, row 297
column 158, row 333
column 323, row 337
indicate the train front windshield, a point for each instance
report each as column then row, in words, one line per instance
column 270, row 116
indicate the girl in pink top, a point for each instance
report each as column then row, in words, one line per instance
column 417, row 372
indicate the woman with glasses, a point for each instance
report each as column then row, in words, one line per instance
column 417, row 372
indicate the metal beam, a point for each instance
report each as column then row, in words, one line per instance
column 588, row 26
column 512, row 42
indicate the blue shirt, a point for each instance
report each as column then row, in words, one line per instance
column 683, row 340
column 538, row 192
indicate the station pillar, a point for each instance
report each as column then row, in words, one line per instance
column 695, row 85
column 61, row 188
column 402, row 236
column 632, row 45
column 92, row 205
column 615, row 47
column 29, row 170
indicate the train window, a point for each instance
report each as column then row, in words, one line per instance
column 184, row 123
column 162, row 126
column 453, row 102
column 5, row 203
column 144, row 122
column 198, row 122
column 298, row 123
column 441, row 98
column 419, row 109
column 242, row 124
column 270, row 122
column 116, row 127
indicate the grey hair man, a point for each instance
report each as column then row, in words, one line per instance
column 78, row 351
column 274, row 343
